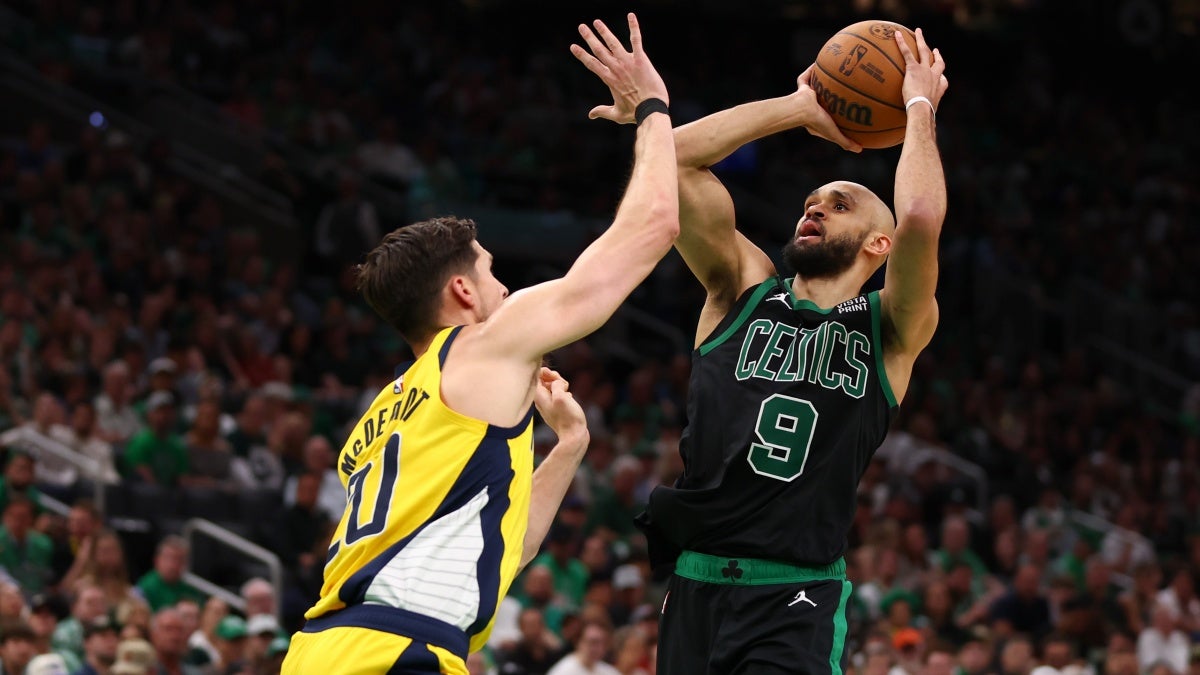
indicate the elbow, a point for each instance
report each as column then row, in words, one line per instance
column 924, row 215
column 663, row 217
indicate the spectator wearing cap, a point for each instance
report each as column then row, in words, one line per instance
column 100, row 640
column 18, row 646
column 164, row 586
column 229, row 641
column 898, row 607
column 25, row 554
column 276, row 652
column 68, row 638
column 261, row 629
column 910, row 650
column 18, row 480
column 135, row 656
column 157, row 454
column 48, row 664
column 570, row 574
column 116, row 417
column 45, row 610
column 629, row 591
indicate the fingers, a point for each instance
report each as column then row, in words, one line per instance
column 589, row 61
column 803, row 80
column 904, row 50
column 598, row 49
column 635, row 33
column 923, row 47
column 939, row 64
column 603, row 112
column 611, row 40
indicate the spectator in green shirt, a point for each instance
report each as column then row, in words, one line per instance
column 18, row 480
column 164, row 586
column 956, row 538
column 570, row 575
column 25, row 553
column 157, row 454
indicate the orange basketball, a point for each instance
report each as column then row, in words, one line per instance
column 858, row 78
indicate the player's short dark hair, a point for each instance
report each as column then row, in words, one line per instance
column 402, row 276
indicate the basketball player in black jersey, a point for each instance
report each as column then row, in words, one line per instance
column 794, row 383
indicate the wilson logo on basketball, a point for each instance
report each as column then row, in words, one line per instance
column 858, row 113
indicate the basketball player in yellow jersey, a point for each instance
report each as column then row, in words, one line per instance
column 443, row 507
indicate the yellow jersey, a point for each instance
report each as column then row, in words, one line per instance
column 437, row 504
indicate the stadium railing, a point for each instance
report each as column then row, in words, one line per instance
column 196, row 527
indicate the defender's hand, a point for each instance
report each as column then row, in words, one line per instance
column 629, row 75
column 817, row 120
column 923, row 71
column 559, row 408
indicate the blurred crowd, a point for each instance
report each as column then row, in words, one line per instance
column 201, row 372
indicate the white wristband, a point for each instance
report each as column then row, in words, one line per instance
column 917, row 99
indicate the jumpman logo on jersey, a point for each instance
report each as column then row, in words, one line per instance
column 802, row 597
column 782, row 297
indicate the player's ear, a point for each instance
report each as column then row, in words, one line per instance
column 462, row 291
column 878, row 243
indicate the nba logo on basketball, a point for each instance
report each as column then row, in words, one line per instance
column 852, row 60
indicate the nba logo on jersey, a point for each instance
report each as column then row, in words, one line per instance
column 398, row 386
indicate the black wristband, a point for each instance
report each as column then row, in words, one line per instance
column 649, row 106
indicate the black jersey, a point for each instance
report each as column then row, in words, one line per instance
column 788, row 402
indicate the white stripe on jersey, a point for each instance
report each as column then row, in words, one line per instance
column 435, row 574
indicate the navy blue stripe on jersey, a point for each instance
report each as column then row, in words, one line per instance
column 494, row 431
column 490, row 468
column 395, row 621
column 446, row 346
column 402, row 368
column 487, row 570
column 416, row 660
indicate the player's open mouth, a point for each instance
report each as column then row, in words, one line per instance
column 809, row 229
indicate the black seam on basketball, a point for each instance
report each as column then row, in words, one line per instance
column 858, row 91
column 898, row 66
column 873, row 131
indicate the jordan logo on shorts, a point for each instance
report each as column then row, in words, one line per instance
column 802, row 597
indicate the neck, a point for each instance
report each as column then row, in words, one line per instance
column 826, row 292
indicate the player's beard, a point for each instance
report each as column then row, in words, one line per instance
column 825, row 259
